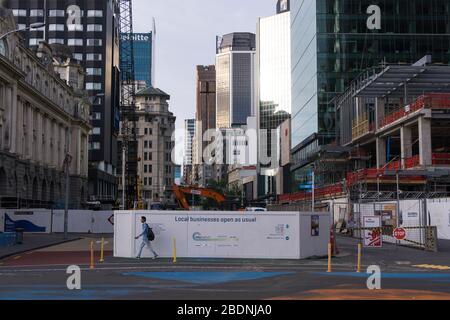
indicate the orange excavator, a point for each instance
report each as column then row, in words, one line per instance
column 181, row 192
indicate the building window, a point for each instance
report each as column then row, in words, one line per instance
column 145, row 156
column 75, row 27
column 56, row 27
column 95, row 13
column 55, row 40
column 94, row 145
column 19, row 12
column 35, row 41
column 94, row 71
column 96, row 131
column 150, row 144
column 78, row 56
column 94, row 42
column 94, row 57
column 93, row 86
column 56, row 13
column 75, row 42
column 150, row 156
column 36, row 13
column 145, row 144
column 95, row 27
column 96, row 116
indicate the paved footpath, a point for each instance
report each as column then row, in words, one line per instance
column 41, row 274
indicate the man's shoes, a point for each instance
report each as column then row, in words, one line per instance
column 139, row 258
column 156, row 256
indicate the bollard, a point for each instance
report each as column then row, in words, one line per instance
column 329, row 257
column 92, row 266
column 102, row 251
column 358, row 270
column 174, row 250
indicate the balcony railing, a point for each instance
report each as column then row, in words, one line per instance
column 428, row 101
column 441, row 159
column 319, row 193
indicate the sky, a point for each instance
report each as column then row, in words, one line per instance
column 186, row 32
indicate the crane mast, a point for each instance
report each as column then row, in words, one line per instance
column 128, row 108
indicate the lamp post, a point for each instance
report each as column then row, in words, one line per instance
column 67, row 162
column 32, row 26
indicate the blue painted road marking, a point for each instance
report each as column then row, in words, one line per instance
column 207, row 277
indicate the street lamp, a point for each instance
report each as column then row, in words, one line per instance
column 32, row 26
column 67, row 162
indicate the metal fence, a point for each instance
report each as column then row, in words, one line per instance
column 419, row 237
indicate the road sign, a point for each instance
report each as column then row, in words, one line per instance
column 400, row 234
column 373, row 237
column 111, row 219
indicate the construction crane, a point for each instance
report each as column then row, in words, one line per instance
column 130, row 179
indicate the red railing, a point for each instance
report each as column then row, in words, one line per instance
column 441, row 159
column 336, row 189
column 412, row 162
column 428, row 101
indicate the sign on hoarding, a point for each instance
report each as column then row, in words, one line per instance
column 373, row 237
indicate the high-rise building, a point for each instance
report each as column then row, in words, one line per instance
column 205, row 117
column 273, row 72
column 283, row 6
column 235, row 83
column 335, row 41
column 143, row 44
column 154, row 130
column 91, row 30
column 189, row 133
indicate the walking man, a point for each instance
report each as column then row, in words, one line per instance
column 145, row 241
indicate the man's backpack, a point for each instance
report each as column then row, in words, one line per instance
column 150, row 234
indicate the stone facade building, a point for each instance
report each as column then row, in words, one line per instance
column 155, row 128
column 42, row 120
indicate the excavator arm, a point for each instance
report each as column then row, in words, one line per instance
column 180, row 195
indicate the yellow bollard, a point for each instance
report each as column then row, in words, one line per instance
column 92, row 266
column 329, row 257
column 174, row 250
column 102, row 251
column 359, row 257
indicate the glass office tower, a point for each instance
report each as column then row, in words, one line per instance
column 274, row 91
column 235, row 83
column 143, row 44
column 333, row 41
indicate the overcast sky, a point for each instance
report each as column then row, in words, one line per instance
column 186, row 31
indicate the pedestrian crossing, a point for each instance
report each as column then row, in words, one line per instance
column 433, row 267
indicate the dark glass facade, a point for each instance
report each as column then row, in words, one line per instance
column 332, row 44
column 143, row 56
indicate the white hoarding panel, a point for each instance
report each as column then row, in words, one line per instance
column 439, row 214
column 123, row 231
column 102, row 222
column 220, row 234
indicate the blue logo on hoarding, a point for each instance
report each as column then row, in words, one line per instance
column 27, row 226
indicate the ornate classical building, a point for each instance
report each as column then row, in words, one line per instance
column 43, row 120
column 155, row 128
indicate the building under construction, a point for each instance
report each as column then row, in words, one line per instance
column 394, row 138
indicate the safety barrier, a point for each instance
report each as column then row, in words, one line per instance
column 7, row 239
